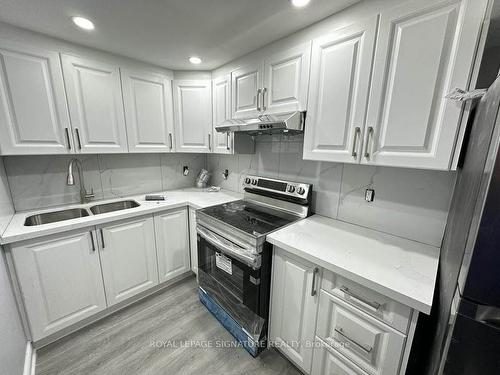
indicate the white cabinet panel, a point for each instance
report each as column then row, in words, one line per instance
column 370, row 344
column 245, row 83
column 293, row 307
column 286, row 80
column 95, row 105
column 193, row 115
column 424, row 50
column 172, row 239
column 338, row 92
column 128, row 256
column 193, row 240
column 221, row 91
column 33, row 112
column 328, row 362
column 147, row 99
column 60, row 279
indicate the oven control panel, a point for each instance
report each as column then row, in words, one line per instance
column 273, row 186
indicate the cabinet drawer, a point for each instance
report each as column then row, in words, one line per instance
column 329, row 362
column 389, row 311
column 369, row 343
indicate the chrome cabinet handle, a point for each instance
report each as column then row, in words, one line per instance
column 209, row 142
column 313, row 285
column 227, row 139
column 102, row 238
column 264, row 90
column 78, row 138
column 92, row 240
column 366, row 348
column 368, row 141
column 372, row 305
column 67, row 138
column 170, row 140
column 259, row 91
column 357, row 132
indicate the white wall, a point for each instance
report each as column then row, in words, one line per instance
column 409, row 203
column 40, row 181
column 12, row 338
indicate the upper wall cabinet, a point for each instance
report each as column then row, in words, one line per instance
column 286, row 80
column 147, row 99
column 340, row 77
column 193, row 115
column 33, row 112
column 278, row 84
column 95, row 105
column 424, row 50
column 221, row 111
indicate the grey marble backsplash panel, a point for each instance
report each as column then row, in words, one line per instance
column 409, row 203
column 40, row 181
column 6, row 206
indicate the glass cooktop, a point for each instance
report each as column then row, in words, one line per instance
column 249, row 217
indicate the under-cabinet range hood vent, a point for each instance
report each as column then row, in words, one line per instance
column 266, row 124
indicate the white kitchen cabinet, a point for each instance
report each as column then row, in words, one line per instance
column 424, row 50
column 294, row 302
column 147, row 99
column 329, row 362
column 95, row 105
column 286, row 80
column 60, row 280
column 339, row 84
column 221, row 111
column 128, row 257
column 193, row 115
column 172, row 240
column 193, row 240
column 246, row 91
column 33, row 111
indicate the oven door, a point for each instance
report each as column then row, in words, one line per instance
column 232, row 283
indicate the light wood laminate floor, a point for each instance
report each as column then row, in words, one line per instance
column 160, row 335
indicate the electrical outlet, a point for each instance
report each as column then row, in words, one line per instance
column 369, row 195
column 185, row 170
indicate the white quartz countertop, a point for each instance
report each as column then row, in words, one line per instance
column 401, row 269
column 196, row 198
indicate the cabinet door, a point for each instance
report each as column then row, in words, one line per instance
column 338, row 92
column 424, row 50
column 147, row 99
column 245, row 82
column 172, row 239
column 193, row 115
column 60, row 279
column 193, row 240
column 221, row 92
column 286, row 80
column 294, row 304
column 329, row 362
column 33, row 113
column 95, row 105
column 128, row 256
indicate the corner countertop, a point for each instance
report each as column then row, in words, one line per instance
column 192, row 197
column 401, row 269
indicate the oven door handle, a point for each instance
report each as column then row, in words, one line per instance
column 229, row 248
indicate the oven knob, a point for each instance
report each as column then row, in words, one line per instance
column 254, row 182
column 247, row 180
column 301, row 190
column 291, row 189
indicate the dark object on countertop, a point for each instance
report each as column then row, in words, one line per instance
column 152, row 197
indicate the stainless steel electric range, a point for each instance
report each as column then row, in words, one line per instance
column 234, row 259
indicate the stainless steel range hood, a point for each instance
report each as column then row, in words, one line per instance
column 265, row 124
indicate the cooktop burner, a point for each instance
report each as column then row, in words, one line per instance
column 249, row 217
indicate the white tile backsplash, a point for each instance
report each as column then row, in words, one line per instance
column 40, row 181
column 409, row 203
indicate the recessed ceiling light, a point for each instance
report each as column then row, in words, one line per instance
column 300, row 3
column 195, row 60
column 83, row 23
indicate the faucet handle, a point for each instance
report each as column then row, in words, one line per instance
column 91, row 195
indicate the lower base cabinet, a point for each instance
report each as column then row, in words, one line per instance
column 172, row 240
column 329, row 362
column 193, row 240
column 60, row 280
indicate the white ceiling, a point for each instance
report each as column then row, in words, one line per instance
column 167, row 32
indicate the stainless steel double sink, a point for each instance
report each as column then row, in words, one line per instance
column 74, row 213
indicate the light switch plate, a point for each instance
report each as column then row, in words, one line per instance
column 369, row 195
